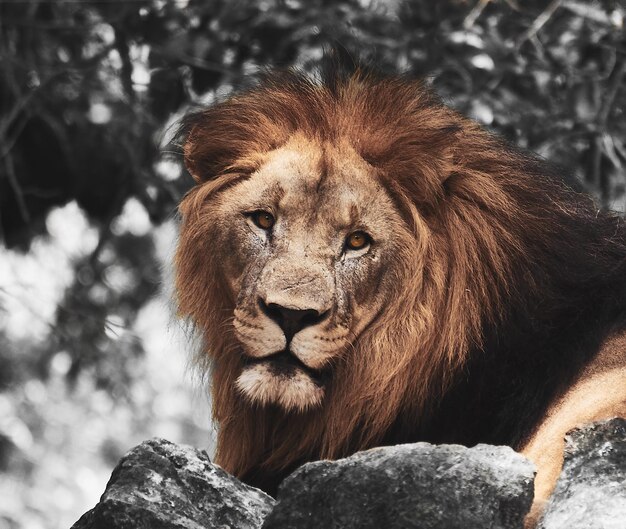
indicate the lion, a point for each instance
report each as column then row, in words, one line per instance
column 368, row 267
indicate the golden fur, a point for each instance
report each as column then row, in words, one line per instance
column 497, row 254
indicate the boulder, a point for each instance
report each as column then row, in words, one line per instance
column 406, row 486
column 161, row 485
column 591, row 491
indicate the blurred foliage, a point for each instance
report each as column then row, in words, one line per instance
column 89, row 90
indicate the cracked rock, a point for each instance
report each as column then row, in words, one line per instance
column 162, row 485
column 409, row 486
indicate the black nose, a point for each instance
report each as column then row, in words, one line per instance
column 291, row 320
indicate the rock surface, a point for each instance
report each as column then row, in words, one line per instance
column 160, row 485
column 406, row 486
column 591, row 491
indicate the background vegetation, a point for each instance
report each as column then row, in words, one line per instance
column 89, row 184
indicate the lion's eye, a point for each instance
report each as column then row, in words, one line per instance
column 357, row 240
column 263, row 219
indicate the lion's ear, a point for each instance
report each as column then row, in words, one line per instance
column 212, row 139
column 190, row 154
column 205, row 154
column 218, row 141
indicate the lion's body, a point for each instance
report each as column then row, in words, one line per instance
column 487, row 299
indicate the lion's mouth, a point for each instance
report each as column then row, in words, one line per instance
column 285, row 363
column 282, row 379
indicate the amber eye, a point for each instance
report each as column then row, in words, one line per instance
column 263, row 219
column 357, row 240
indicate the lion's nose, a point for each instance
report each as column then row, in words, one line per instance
column 291, row 320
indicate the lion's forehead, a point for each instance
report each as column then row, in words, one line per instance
column 318, row 185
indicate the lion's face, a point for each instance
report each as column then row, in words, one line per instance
column 310, row 237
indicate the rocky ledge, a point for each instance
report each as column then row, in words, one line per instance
column 160, row 485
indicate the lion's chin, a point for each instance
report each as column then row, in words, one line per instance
column 291, row 389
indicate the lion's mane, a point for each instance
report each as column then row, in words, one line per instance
column 508, row 286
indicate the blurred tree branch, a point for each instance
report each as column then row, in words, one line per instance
column 476, row 11
column 539, row 22
column 15, row 186
column 601, row 132
column 588, row 10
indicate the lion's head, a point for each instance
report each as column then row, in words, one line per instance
column 309, row 243
column 347, row 245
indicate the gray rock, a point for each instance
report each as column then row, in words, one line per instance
column 405, row 486
column 591, row 491
column 161, row 485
